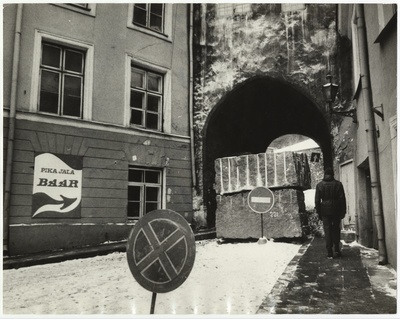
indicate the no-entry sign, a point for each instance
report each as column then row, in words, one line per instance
column 161, row 251
column 261, row 200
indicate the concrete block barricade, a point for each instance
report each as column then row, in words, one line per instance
column 270, row 169
column 287, row 174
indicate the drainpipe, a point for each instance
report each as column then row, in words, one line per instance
column 192, row 154
column 11, row 128
column 371, row 135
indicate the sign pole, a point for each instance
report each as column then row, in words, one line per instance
column 262, row 225
column 262, row 240
column 261, row 200
column 153, row 303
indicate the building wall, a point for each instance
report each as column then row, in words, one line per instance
column 383, row 69
column 112, row 40
column 382, row 55
column 105, row 143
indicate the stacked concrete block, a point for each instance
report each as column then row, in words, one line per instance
column 270, row 169
column 287, row 174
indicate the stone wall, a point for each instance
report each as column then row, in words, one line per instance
column 296, row 45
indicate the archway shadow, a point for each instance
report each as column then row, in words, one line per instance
column 250, row 117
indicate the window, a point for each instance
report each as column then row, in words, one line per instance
column 62, row 77
column 154, row 19
column 149, row 15
column 88, row 9
column 146, row 98
column 144, row 191
column 233, row 10
column 61, row 80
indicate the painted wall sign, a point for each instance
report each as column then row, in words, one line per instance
column 57, row 186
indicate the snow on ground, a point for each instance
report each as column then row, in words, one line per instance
column 232, row 278
column 383, row 278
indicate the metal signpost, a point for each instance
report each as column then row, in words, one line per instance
column 161, row 251
column 261, row 200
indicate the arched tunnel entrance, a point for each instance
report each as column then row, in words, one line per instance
column 249, row 118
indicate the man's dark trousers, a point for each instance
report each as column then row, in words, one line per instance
column 332, row 232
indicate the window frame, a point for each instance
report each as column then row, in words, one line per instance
column 143, row 185
column 87, row 49
column 148, row 12
column 63, row 73
column 89, row 10
column 146, row 91
column 165, row 117
column 166, row 34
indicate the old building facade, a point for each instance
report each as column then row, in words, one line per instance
column 96, row 121
column 112, row 110
column 371, row 33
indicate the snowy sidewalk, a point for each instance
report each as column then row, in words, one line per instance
column 352, row 284
column 232, row 278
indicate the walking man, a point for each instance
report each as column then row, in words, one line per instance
column 330, row 203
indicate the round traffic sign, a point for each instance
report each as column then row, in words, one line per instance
column 161, row 250
column 261, row 200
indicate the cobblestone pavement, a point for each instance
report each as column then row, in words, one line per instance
column 352, row 284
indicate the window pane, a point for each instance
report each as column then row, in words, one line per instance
column 156, row 8
column 133, row 209
column 156, row 22
column 73, row 61
column 152, row 194
column 137, row 99
column 152, row 121
column 139, row 15
column 48, row 102
column 154, row 83
column 134, row 193
column 50, row 81
column 151, row 206
column 72, row 85
column 136, row 117
column 153, row 103
column 137, row 78
column 49, row 92
column 72, row 106
column 141, row 6
column 152, row 177
column 51, row 56
column 72, row 96
column 135, row 175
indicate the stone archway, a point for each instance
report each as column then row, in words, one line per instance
column 250, row 117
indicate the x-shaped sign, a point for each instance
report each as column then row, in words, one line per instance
column 161, row 250
column 160, row 254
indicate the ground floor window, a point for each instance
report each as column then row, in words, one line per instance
column 144, row 191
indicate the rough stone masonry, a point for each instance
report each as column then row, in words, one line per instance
column 287, row 174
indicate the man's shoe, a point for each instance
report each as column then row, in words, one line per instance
column 330, row 255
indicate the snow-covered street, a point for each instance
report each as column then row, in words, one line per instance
column 232, row 278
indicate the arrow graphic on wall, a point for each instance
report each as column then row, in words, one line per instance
column 42, row 199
